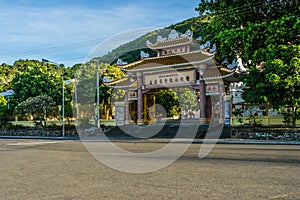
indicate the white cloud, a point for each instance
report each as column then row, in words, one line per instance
column 28, row 28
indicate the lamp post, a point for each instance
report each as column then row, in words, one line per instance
column 63, row 96
column 98, row 74
column 98, row 97
column 76, row 99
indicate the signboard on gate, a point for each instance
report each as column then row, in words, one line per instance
column 212, row 89
column 132, row 95
column 170, row 78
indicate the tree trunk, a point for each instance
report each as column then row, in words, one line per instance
column 45, row 123
column 107, row 114
column 294, row 116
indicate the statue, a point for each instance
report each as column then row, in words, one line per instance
column 240, row 66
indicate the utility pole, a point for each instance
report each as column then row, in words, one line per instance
column 63, row 105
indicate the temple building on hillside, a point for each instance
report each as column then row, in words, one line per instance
column 180, row 63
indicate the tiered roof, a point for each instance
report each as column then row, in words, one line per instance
column 174, row 61
column 171, row 43
column 125, row 82
column 180, row 61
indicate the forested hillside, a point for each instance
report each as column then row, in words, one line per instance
column 194, row 24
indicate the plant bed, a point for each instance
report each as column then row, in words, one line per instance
column 267, row 133
column 38, row 132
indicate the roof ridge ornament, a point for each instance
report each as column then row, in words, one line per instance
column 188, row 33
column 199, row 38
column 173, row 35
column 107, row 80
column 224, row 61
column 149, row 43
column 237, row 85
column 205, row 45
column 161, row 39
column 213, row 48
column 144, row 55
column 120, row 62
column 232, row 65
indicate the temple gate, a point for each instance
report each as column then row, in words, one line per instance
column 176, row 66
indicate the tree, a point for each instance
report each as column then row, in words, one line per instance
column 249, row 28
column 3, row 110
column 7, row 73
column 3, row 101
column 169, row 101
column 264, row 33
column 188, row 102
column 87, row 85
column 279, row 82
column 38, row 107
column 37, row 79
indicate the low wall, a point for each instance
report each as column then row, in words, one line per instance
column 263, row 120
column 37, row 132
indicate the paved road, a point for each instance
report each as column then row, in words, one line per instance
column 37, row 169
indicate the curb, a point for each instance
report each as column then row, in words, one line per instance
column 160, row 140
column 226, row 141
column 39, row 138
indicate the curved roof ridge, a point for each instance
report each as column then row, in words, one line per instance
column 171, row 42
column 163, row 57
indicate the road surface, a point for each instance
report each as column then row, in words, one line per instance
column 53, row 169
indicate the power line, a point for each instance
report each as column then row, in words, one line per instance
column 243, row 11
column 84, row 44
column 240, row 7
column 89, row 43
column 237, row 11
column 71, row 46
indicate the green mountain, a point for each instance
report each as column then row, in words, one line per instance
column 130, row 51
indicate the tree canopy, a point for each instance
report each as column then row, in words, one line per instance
column 38, row 107
column 35, row 78
column 249, row 28
column 3, row 109
column 265, row 34
column 168, row 99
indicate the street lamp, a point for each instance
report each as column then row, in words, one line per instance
column 63, row 96
column 98, row 98
column 98, row 74
column 76, row 99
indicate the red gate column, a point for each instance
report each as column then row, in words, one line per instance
column 203, row 119
column 140, row 100
column 221, row 100
column 126, row 107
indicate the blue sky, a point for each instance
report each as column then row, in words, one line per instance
column 43, row 29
